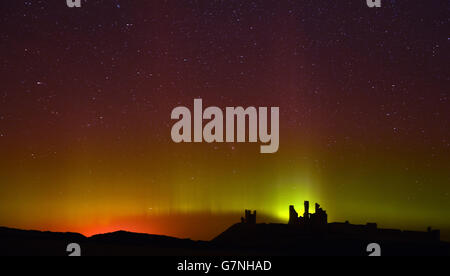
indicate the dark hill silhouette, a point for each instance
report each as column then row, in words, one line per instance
column 30, row 234
column 293, row 240
column 130, row 238
column 239, row 240
column 36, row 243
column 310, row 234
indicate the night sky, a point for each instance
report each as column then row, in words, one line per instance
column 86, row 96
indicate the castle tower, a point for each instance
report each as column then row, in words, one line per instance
column 250, row 218
column 293, row 215
column 306, row 216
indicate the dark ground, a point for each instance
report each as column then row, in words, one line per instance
column 238, row 240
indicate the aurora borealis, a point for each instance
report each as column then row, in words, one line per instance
column 86, row 96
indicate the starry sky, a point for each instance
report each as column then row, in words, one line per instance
column 86, row 96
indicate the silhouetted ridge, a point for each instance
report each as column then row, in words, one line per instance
column 34, row 234
column 310, row 234
column 124, row 237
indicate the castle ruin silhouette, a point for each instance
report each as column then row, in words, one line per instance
column 250, row 218
column 317, row 223
column 319, row 218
